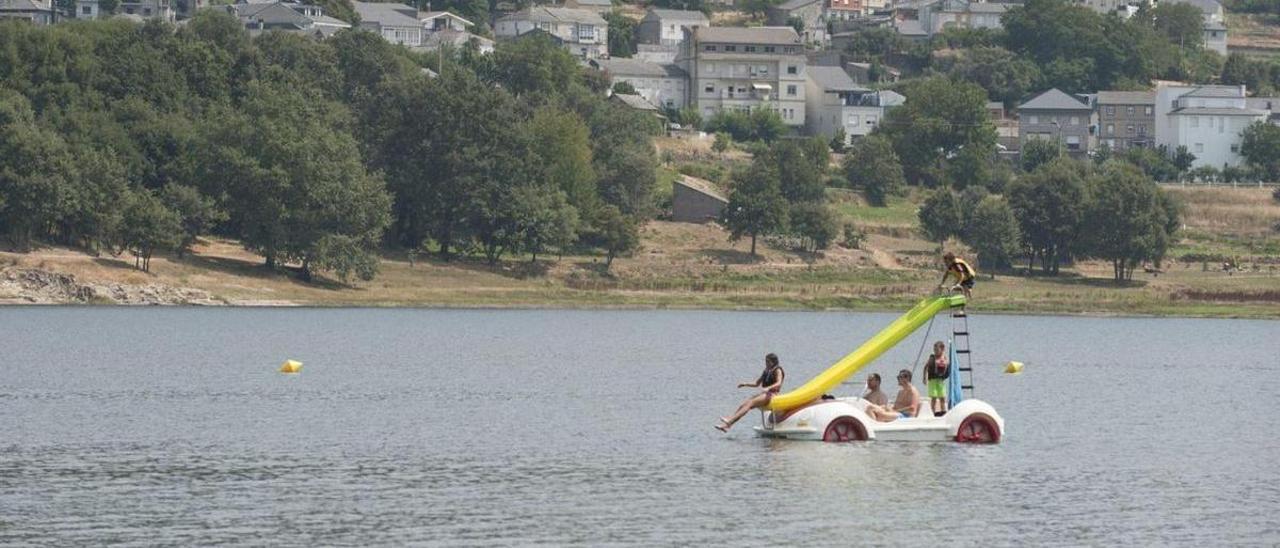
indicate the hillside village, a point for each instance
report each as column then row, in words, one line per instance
column 852, row 139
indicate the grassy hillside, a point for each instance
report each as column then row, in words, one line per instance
column 687, row 265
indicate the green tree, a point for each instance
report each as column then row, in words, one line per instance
column 535, row 65
column 35, row 173
column 196, row 212
column 1049, row 206
column 619, row 233
column 756, row 206
column 873, row 168
column 1182, row 24
column 721, row 143
column 544, row 218
column 1038, row 152
column 969, row 168
column 814, row 224
column 622, row 38
column 1183, row 159
column 560, row 154
column 993, row 232
column 1152, row 162
column 148, row 226
column 799, row 178
column 1261, row 148
column 1126, row 220
column 940, row 118
column 838, row 140
column 1005, row 76
column 940, row 216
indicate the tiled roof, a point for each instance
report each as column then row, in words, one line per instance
column 635, row 101
column 540, row 14
column 1126, row 97
column 1209, row 111
column 832, row 79
column 678, row 15
column 393, row 15
column 754, row 35
column 1230, row 92
column 1053, row 99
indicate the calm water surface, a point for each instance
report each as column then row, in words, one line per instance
column 171, row 426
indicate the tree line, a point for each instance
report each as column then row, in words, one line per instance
column 119, row 137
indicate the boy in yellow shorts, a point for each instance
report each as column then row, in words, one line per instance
column 936, row 372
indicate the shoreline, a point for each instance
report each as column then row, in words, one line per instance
column 1259, row 310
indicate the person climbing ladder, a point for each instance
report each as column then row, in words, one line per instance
column 965, row 274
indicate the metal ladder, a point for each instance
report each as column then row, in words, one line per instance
column 960, row 342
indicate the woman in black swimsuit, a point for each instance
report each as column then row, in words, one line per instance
column 770, row 380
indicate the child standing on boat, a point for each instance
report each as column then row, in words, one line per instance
column 936, row 373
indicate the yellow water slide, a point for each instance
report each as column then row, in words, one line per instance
column 884, row 340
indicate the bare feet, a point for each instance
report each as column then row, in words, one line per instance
column 724, row 425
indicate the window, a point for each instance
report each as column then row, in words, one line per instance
column 1034, row 120
column 1111, row 129
column 770, row 49
column 1129, row 129
column 1235, row 147
column 789, row 49
column 1110, row 110
column 731, row 48
column 711, row 88
column 1129, row 110
column 792, row 69
column 791, row 90
column 1075, row 120
column 708, row 48
column 1146, row 110
column 749, row 49
column 85, row 10
column 586, row 32
column 1199, row 148
column 545, row 26
column 1073, row 142
column 871, row 120
column 1142, row 129
column 853, row 120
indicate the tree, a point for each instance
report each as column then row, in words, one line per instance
column 1181, row 23
column 838, row 140
column 1261, row 148
column 721, row 142
column 872, row 167
column 148, row 225
column 293, row 178
column 619, row 233
column 622, row 37
column 1038, row 152
column 940, row 118
column 993, row 232
column 940, row 216
column 814, row 224
column 1152, row 162
column 969, row 168
column 1183, row 159
column 35, row 171
column 534, row 64
column 758, row 125
column 560, row 155
column 544, row 218
column 1049, row 206
column 1005, row 76
column 1125, row 220
column 624, row 88
column 756, row 206
column 196, row 214
column 799, row 178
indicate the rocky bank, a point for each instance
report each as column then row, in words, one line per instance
column 35, row 286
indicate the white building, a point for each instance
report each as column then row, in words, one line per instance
column 38, row 12
column 664, row 85
column 833, row 102
column 744, row 69
column 965, row 14
column 584, row 33
column 1208, row 120
column 396, row 23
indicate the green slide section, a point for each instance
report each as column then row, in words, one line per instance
column 867, row 353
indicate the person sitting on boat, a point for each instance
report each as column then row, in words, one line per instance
column 771, row 383
column 905, row 405
column 965, row 275
column 936, row 372
column 873, row 393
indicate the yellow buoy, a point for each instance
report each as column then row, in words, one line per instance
column 291, row 366
column 1013, row 367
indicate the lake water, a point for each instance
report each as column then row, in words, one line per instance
column 172, row 426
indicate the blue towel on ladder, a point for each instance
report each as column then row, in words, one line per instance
column 954, row 393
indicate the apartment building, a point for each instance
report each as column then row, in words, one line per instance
column 664, row 85
column 1126, row 119
column 1208, row 120
column 744, row 69
column 1056, row 116
column 584, row 33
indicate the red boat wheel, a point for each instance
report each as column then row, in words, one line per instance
column 978, row 428
column 845, row 429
